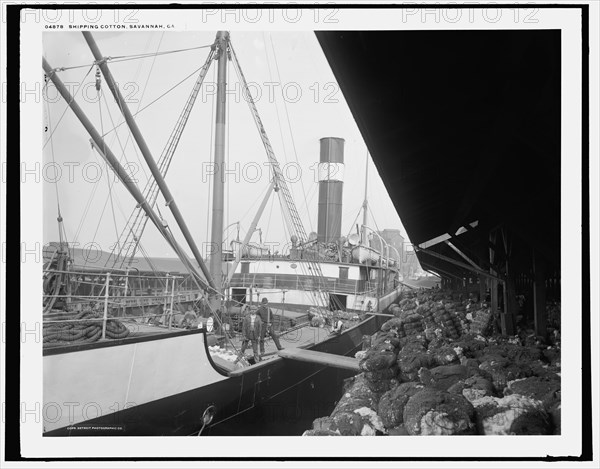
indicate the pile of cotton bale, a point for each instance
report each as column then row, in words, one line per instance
column 355, row 414
column 317, row 316
column 438, row 313
column 437, row 368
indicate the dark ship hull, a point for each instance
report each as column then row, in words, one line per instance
column 224, row 396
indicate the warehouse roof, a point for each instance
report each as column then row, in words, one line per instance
column 463, row 126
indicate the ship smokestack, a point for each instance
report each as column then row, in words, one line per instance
column 331, row 184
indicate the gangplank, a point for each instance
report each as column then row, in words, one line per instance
column 321, row 358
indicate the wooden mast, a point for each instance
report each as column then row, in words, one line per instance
column 365, row 205
column 216, row 245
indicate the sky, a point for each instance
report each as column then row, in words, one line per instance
column 298, row 100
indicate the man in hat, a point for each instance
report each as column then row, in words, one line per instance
column 265, row 314
column 251, row 331
column 338, row 325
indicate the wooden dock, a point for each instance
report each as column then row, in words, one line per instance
column 320, row 358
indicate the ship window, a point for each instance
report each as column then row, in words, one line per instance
column 343, row 273
column 245, row 267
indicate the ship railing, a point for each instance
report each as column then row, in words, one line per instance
column 330, row 284
column 108, row 298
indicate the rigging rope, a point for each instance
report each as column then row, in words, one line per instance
column 124, row 58
column 289, row 124
column 160, row 97
column 112, row 206
column 151, row 190
column 127, row 228
column 276, row 107
column 61, row 229
column 373, row 217
column 86, row 209
column 290, row 211
column 67, row 107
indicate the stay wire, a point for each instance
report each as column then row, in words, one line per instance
column 127, row 228
column 53, row 160
column 124, row 58
column 112, row 206
column 67, row 107
column 289, row 122
column 160, row 97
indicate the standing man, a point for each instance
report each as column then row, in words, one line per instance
column 190, row 319
column 251, row 330
column 337, row 326
column 265, row 314
column 203, row 305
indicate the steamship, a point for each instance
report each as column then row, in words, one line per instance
column 356, row 276
column 130, row 368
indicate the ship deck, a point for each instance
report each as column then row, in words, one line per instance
column 223, row 351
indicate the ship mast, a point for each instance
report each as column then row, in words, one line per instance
column 365, row 205
column 216, row 257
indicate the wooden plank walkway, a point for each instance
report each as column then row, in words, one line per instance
column 321, row 358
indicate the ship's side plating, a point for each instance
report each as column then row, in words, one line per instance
column 163, row 385
column 288, row 284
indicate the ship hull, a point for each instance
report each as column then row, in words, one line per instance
column 180, row 413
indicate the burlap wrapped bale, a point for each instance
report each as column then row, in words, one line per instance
column 394, row 323
column 361, row 421
column 552, row 355
column 354, row 413
column 525, row 354
column 440, row 316
column 424, row 310
column 378, row 375
column 347, row 424
column 555, row 418
column 450, row 306
column 492, row 350
column 470, row 345
column 511, row 415
column 473, row 388
column 412, row 361
column 356, row 395
column 323, row 424
column 391, row 405
column 429, row 333
column 395, row 310
column 542, row 370
column 434, row 412
column 437, row 343
column 372, row 424
column 320, row 433
column 382, row 380
column 545, row 390
column 414, row 344
column 445, row 355
column 409, row 316
column 501, row 371
column 397, row 431
column 407, row 304
column 482, row 322
column 379, row 358
column 382, row 338
column 443, row 377
column 413, row 329
column 413, row 339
